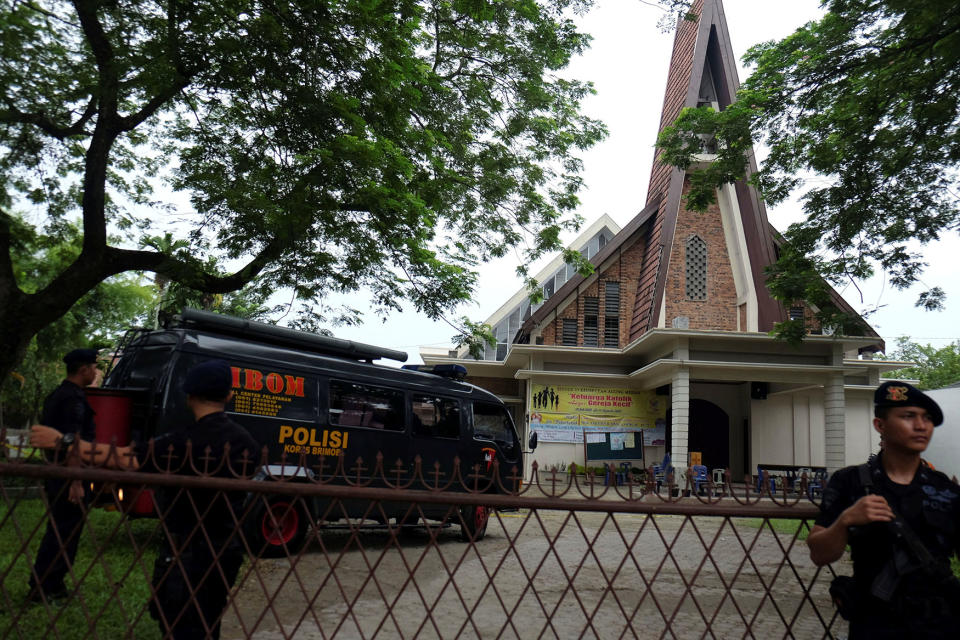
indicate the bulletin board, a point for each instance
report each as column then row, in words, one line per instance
column 614, row 445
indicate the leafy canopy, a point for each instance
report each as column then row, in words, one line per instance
column 324, row 146
column 861, row 110
column 936, row 368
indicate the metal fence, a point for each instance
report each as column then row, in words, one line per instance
column 371, row 551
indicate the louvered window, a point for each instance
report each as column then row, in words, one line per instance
column 611, row 301
column 611, row 331
column 570, row 332
column 611, row 314
column 591, row 309
column 696, row 268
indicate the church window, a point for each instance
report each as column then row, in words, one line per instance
column 696, row 269
column 591, row 311
column 611, row 314
column 569, row 337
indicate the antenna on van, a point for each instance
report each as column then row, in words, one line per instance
column 283, row 336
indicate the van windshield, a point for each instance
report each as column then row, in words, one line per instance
column 492, row 422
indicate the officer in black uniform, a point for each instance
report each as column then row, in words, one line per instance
column 901, row 519
column 66, row 409
column 201, row 522
column 201, row 556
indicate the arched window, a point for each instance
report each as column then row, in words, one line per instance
column 696, row 268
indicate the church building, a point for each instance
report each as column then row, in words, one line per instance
column 665, row 348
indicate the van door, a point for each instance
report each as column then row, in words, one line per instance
column 494, row 437
column 437, row 433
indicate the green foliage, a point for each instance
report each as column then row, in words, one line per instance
column 867, row 101
column 935, row 368
column 476, row 336
column 118, row 564
column 96, row 320
column 325, row 147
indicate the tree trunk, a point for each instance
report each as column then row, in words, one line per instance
column 17, row 328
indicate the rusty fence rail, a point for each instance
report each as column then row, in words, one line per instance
column 391, row 554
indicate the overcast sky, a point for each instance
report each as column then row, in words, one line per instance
column 628, row 64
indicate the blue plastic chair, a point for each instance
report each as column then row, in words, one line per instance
column 699, row 476
column 662, row 471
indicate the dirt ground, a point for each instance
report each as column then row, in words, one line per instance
column 545, row 574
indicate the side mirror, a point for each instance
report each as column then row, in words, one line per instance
column 532, row 443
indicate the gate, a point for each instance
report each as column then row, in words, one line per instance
column 563, row 556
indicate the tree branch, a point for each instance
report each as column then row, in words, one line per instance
column 104, row 134
column 47, row 125
column 120, row 260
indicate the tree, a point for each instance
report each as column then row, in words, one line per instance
column 862, row 109
column 936, row 368
column 325, row 146
column 96, row 320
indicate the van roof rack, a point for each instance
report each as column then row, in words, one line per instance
column 283, row 336
column 452, row 371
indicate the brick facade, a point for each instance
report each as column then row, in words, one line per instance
column 674, row 99
column 719, row 309
column 625, row 269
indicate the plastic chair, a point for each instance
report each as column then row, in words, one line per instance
column 816, row 482
column 623, row 473
column 699, row 476
column 719, row 480
column 773, row 481
column 662, row 471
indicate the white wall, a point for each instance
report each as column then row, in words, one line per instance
column 548, row 454
column 787, row 428
column 862, row 439
column 944, row 450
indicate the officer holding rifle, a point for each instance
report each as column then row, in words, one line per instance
column 901, row 519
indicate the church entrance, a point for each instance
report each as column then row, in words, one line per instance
column 709, row 433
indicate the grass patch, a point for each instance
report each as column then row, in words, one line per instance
column 781, row 526
column 106, row 557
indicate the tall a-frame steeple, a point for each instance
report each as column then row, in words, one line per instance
column 703, row 72
column 676, row 268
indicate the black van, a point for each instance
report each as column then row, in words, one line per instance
column 302, row 394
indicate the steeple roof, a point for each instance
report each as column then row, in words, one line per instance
column 702, row 71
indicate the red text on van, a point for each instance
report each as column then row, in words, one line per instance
column 255, row 380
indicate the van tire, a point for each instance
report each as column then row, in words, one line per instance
column 280, row 521
column 475, row 520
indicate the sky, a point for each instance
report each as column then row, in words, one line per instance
column 628, row 63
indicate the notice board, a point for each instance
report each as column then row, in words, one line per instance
column 613, row 445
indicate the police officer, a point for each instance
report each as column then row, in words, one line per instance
column 900, row 518
column 67, row 410
column 201, row 556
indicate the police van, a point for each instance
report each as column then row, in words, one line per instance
column 312, row 399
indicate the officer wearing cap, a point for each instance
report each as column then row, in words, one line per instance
column 901, row 520
column 67, row 410
column 199, row 560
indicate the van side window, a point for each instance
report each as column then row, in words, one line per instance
column 491, row 422
column 435, row 417
column 363, row 405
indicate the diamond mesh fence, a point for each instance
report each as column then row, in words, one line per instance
column 355, row 551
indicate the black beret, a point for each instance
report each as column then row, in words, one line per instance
column 900, row 394
column 211, row 378
column 81, row 356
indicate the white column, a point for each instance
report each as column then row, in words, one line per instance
column 679, row 420
column 834, row 418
